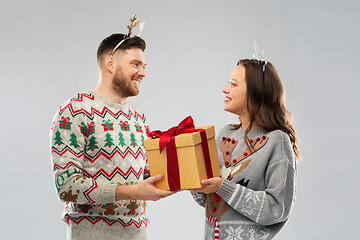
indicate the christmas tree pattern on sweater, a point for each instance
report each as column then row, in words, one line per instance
column 96, row 145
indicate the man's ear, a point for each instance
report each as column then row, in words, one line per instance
column 110, row 63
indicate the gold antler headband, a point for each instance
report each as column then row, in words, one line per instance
column 134, row 22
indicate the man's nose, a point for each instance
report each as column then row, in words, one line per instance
column 141, row 72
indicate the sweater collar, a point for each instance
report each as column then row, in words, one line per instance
column 253, row 132
column 108, row 103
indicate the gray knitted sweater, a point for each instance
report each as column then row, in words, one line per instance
column 258, row 191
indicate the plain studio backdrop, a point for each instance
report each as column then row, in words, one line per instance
column 48, row 54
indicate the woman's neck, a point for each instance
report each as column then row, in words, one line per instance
column 245, row 122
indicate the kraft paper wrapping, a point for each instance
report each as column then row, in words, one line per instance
column 191, row 159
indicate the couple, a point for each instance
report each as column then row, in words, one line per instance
column 100, row 166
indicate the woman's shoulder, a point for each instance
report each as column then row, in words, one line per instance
column 279, row 135
column 279, row 138
column 280, row 142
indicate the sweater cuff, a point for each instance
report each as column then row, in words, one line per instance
column 226, row 190
column 105, row 194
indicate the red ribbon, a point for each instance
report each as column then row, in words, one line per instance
column 167, row 139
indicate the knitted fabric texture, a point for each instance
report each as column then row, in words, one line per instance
column 102, row 231
column 256, row 197
column 96, row 145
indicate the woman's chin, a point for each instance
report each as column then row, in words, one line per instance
column 226, row 108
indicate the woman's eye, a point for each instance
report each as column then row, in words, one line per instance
column 232, row 83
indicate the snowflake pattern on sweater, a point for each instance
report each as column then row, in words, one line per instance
column 258, row 191
column 92, row 153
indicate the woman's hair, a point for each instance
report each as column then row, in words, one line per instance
column 266, row 101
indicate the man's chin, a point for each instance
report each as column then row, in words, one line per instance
column 136, row 91
column 133, row 94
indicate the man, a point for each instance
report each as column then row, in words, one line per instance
column 99, row 161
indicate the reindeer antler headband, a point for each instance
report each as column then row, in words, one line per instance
column 134, row 22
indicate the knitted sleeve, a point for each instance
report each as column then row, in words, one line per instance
column 200, row 198
column 68, row 146
column 266, row 207
column 147, row 169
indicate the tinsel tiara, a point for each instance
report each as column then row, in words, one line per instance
column 259, row 55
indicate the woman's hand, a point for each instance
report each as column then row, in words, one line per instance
column 210, row 185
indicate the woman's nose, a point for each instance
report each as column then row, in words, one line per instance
column 226, row 89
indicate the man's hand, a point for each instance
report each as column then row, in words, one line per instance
column 210, row 185
column 144, row 190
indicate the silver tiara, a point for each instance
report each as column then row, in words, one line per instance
column 259, row 55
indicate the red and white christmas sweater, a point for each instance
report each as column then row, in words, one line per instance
column 96, row 145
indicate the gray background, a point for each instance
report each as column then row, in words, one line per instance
column 48, row 54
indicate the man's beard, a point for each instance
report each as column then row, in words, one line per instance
column 123, row 87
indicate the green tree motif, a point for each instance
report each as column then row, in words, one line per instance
column 73, row 141
column 121, row 139
column 58, row 139
column 133, row 140
column 92, row 144
column 142, row 140
column 108, row 140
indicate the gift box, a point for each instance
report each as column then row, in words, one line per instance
column 193, row 157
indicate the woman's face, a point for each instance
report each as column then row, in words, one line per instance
column 236, row 92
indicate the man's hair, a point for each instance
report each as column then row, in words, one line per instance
column 109, row 43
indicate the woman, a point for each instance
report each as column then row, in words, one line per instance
column 253, row 197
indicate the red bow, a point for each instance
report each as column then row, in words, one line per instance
column 167, row 139
column 65, row 119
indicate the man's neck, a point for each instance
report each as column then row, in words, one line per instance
column 108, row 93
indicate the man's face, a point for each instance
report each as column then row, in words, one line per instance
column 129, row 73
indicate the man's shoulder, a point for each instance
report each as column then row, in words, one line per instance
column 83, row 96
column 79, row 102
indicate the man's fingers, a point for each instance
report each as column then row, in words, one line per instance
column 164, row 193
column 156, row 178
column 168, row 193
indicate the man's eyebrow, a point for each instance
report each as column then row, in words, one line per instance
column 138, row 61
